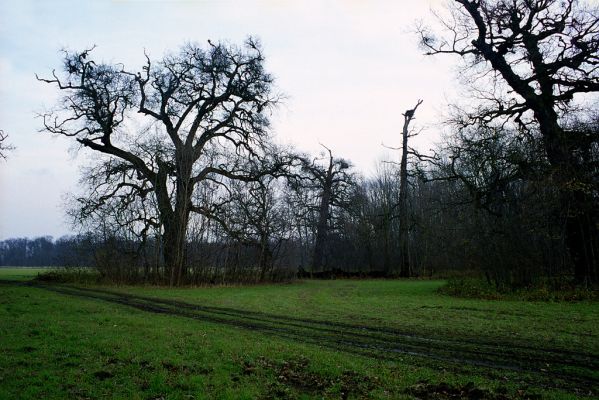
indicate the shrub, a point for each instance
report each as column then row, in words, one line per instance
column 544, row 290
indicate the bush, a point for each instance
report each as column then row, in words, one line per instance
column 86, row 276
column 547, row 290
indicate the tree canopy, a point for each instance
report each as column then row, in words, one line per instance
column 198, row 115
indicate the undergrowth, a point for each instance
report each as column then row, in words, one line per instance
column 86, row 276
column 475, row 288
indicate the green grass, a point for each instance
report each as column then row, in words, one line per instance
column 21, row 273
column 66, row 345
column 413, row 306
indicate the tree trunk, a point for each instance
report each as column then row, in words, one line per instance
column 321, row 230
column 174, row 221
column 175, row 232
column 323, row 218
column 405, row 270
column 386, row 246
column 404, row 261
column 576, row 200
column 582, row 236
column 265, row 259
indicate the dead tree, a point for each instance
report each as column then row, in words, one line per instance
column 404, row 224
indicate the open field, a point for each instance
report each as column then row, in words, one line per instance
column 21, row 273
column 313, row 339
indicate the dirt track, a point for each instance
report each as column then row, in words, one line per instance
column 539, row 366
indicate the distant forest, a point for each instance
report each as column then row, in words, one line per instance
column 45, row 252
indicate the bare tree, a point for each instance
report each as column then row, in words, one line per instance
column 193, row 116
column 402, row 213
column 529, row 59
column 404, row 266
column 330, row 181
column 253, row 215
column 4, row 147
column 382, row 192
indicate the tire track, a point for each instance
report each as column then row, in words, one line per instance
column 548, row 367
column 389, row 335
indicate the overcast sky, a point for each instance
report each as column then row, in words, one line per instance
column 349, row 68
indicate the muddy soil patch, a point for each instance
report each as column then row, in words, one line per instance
column 444, row 391
column 295, row 375
column 103, row 375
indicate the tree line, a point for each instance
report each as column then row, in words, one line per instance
column 45, row 251
column 188, row 186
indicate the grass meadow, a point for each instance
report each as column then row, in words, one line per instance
column 337, row 339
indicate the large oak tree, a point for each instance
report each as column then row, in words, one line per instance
column 529, row 59
column 197, row 115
